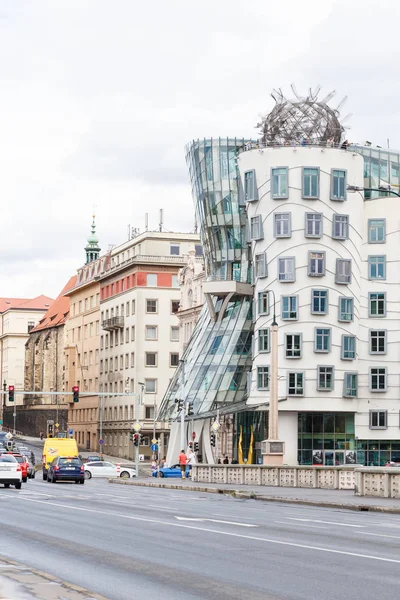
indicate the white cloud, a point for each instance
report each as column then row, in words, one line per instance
column 98, row 99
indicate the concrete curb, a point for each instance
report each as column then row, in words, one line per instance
column 70, row 586
column 254, row 496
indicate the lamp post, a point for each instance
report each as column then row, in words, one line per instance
column 273, row 449
column 138, row 401
column 183, row 405
column 356, row 188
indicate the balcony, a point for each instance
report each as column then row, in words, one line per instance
column 113, row 323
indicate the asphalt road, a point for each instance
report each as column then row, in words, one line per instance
column 124, row 542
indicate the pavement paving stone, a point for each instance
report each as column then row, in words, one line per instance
column 18, row 582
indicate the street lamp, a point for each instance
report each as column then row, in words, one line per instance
column 273, row 449
column 356, row 188
column 182, row 363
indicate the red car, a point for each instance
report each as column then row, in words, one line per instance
column 23, row 463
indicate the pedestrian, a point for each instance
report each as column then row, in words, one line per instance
column 329, row 142
column 182, row 463
column 234, row 461
column 226, row 460
column 219, row 461
column 345, row 145
column 163, row 462
column 191, row 461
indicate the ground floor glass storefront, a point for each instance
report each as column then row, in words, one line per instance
column 376, row 453
column 326, row 439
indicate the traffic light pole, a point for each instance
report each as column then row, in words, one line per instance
column 138, row 401
column 183, row 410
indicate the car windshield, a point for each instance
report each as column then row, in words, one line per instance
column 19, row 459
column 69, row 462
column 7, row 459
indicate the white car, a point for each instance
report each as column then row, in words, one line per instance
column 100, row 468
column 10, row 471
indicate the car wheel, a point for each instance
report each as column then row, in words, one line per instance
column 18, row 485
column 6, row 485
column 82, row 481
column 162, row 474
column 24, row 479
column 88, row 475
column 33, row 475
column 125, row 475
column 53, row 479
column 44, row 476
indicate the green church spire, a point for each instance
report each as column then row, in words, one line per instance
column 92, row 249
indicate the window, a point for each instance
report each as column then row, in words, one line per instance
column 198, row 249
column 378, row 419
column 319, row 302
column 338, row 185
column 151, row 332
column 316, row 264
column 350, row 384
column 132, row 333
column 250, row 192
column 263, row 378
column 263, row 340
column 289, row 308
column 151, row 280
column 282, row 225
column 263, row 303
column 377, row 304
column 376, row 267
column 295, row 384
column 313, row 225
column 133, row 307
column 174, row 249
column 127, row 309
column 325, row 379
column 340, row 227
column 31, row 325
column 377, row 379
column 376, row 231
column 322, row 341
column 261, row 265
column 151, row 359
column 287, row 269
column 174, row 359
column 175, row 282
column 348, row 351
column 174, row 335
column 346, row 309
column 377, row 341
column 149, row 412
column 126, row 361
column 343, row 270
column 150, row 386
column 279, row 182
column 256, row 228
column 132, row 359
column 174, row 306
column 151, row 306
column 310, row 182
column 293, row 345
column 126, row 335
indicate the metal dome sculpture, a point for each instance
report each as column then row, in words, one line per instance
column 292, row 122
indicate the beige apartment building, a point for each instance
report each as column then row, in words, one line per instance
column 82, row 343
column 18, row 316
column 140, row 337
column 191, row 278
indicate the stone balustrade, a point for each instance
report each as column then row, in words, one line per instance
column 332, row 478
column 377, row 481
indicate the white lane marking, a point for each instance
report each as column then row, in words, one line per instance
column 396, row 537
column 113, row 496
column 228, row 514
column 214, row 521
column 325, row 522
column 216, row 532
column 302, row 525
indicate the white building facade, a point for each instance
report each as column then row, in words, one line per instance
column 331, row 259
column 140, row 337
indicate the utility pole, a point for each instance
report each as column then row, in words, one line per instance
column 101, row 424
column 217, row 440
column 183, row 410
column 138, row 401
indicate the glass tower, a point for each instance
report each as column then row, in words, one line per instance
column 213, row 372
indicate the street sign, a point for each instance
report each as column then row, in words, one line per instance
column 154, row 447
column 154, row 441
column 9, row 436
column 70, row 431
column 101, row 441
column 57, row 424
column 193, row 435
column 216, row 425
column 137, row 426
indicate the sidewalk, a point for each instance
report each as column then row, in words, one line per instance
column 344, row 499
column 18, row 581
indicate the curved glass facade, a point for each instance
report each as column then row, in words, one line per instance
column 381, row 169
column 218, row 355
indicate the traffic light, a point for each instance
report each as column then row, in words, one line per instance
column 140, row 439
column 50, row 429
column 136, row 440
column 11, row 393
column 190, row 445
column 75, row 391
column 179, row 403
column 196, row 446
column 131, row 436
column 212, row 439
column 189, row 409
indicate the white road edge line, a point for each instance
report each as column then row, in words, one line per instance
column 396, row 537
column 301, row 525
column 216, row 532
column 215, row 521
column 325, row 522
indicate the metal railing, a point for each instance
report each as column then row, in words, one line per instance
column 113, row 323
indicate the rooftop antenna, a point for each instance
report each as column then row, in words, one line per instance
column 161, row 219
column 146, row 221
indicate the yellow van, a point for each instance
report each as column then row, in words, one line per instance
column 54, row 447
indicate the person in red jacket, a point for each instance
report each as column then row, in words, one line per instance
column 182, row 463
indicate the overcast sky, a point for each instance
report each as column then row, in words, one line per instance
column 99, row 97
